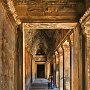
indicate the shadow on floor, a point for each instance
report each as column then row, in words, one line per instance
column 41, row 84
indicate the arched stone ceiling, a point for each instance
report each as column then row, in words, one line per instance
column 33, row 39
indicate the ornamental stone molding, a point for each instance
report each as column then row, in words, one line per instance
column 85, row 22
column 13, row 11
column 85, row 16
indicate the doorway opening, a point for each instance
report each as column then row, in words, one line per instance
column 40, row 71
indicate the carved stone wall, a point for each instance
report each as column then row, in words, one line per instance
column 7, row 52
column 85, row 23
column 49, row 11
column 87, row 31
column 1, row 30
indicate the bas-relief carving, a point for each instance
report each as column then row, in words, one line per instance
column 51, row 10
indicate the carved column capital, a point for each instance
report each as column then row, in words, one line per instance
column 87, row 30
column 72, row 39
column 60, row 50
column 85, row 23
column 57, row 57
column 56, row 53
column 66, row 45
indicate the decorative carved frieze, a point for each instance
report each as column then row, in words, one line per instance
column 48, row 11
column 39, row 58
column 46, row 1
column 51, row 9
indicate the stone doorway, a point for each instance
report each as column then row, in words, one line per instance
column 40, row 71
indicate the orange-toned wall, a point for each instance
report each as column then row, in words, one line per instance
column 27, row 63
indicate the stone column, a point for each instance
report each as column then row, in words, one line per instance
column 34, row 70
column 72, row 60
column 48, row 69
column 87, row 31
column 66, row 47
column 54, row 63
column 61, row 74
column 76, row 53
column 21, row 57
column 57, row 69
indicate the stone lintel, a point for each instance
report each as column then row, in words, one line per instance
column 49, row 25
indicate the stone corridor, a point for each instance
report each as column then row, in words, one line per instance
column 44, row 38
column 41, row 84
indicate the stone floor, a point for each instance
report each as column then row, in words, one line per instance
column 41, row 84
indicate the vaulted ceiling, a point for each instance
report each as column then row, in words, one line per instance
column 43, row 41
column 40, row 40
column 45, row 11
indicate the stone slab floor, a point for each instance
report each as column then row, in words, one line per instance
column 41, row 84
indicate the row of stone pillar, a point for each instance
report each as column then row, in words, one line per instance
column 67, row 62
column 63, row 66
